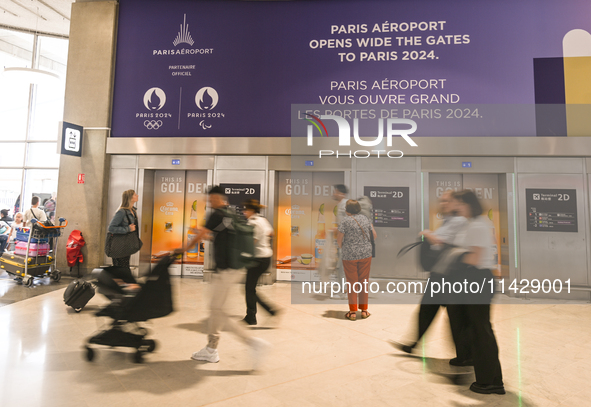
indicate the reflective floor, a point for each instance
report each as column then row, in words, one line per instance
column 318, row 357
column 11, row 291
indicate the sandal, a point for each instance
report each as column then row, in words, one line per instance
column 351, row 315
column 365, row 314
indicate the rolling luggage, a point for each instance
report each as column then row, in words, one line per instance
column 35, row 249
column 15, row 264
column 78, row 293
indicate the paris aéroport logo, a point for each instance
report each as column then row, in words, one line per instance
column 184, row 36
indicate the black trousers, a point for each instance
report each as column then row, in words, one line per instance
column 428, row 310
column 252, row 277
column 121, row 261
column 427, row 313
column 473, row 334
column 3, row 243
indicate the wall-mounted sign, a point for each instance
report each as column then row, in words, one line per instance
column 71, row 139
column 239, row 193
column 390, row 206
column 551, row 210
column 81, row 178
column 466, row 164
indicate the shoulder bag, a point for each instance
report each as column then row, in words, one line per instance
column 123, row 245
column 371, row 239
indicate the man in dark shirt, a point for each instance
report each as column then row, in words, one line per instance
column 4, row 216
column 219, row 226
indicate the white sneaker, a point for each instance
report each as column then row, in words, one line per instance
column 207, row 355
column 259, row 348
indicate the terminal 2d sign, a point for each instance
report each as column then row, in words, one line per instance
column 239, row 193
column 551, row 210
column 390, row 206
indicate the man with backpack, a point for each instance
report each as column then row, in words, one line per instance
column 231, row 246
column 34, row 213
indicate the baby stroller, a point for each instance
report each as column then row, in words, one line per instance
column 154, row 300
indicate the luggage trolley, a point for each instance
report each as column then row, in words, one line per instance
column 43, row 263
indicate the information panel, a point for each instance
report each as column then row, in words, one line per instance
column 551, row 210
column 239, row 193
column 390, row 206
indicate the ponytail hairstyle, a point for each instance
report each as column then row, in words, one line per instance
column 126, row 199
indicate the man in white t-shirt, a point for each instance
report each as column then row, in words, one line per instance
column 34, row 213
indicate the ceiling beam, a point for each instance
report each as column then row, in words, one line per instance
column 28, row 9
column 54, row 10
column 8, row 11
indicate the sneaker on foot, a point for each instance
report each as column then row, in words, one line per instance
column 207, row 355
column 487, row 388
column 458, row 362
column 259, row 348
column 249, row 321
column 402, row 347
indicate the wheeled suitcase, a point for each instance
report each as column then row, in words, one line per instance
column 35, row 249
column 15, row 264
column 78, row 293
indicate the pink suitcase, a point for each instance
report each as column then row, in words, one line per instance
column 35, row 249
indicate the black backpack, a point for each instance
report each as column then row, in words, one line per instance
column 241, row 240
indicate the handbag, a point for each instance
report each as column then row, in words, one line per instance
column 123, row 245
column 428, row 256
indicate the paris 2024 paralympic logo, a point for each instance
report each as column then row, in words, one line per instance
column 317, row 121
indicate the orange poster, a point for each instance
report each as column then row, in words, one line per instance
column 305, row 214
column 195, row 202
column 169, row 200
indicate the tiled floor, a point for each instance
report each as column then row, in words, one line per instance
column 11, row 292
column 318, row 357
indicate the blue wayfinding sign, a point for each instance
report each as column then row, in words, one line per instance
column 466, row 164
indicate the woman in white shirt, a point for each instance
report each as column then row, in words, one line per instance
column 473, row 320
column 262, row 253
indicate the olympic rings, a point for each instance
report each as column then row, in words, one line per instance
column 153, row 124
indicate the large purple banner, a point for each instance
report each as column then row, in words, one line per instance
column 235, row 68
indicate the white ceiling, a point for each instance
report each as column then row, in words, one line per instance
column 43, row 16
